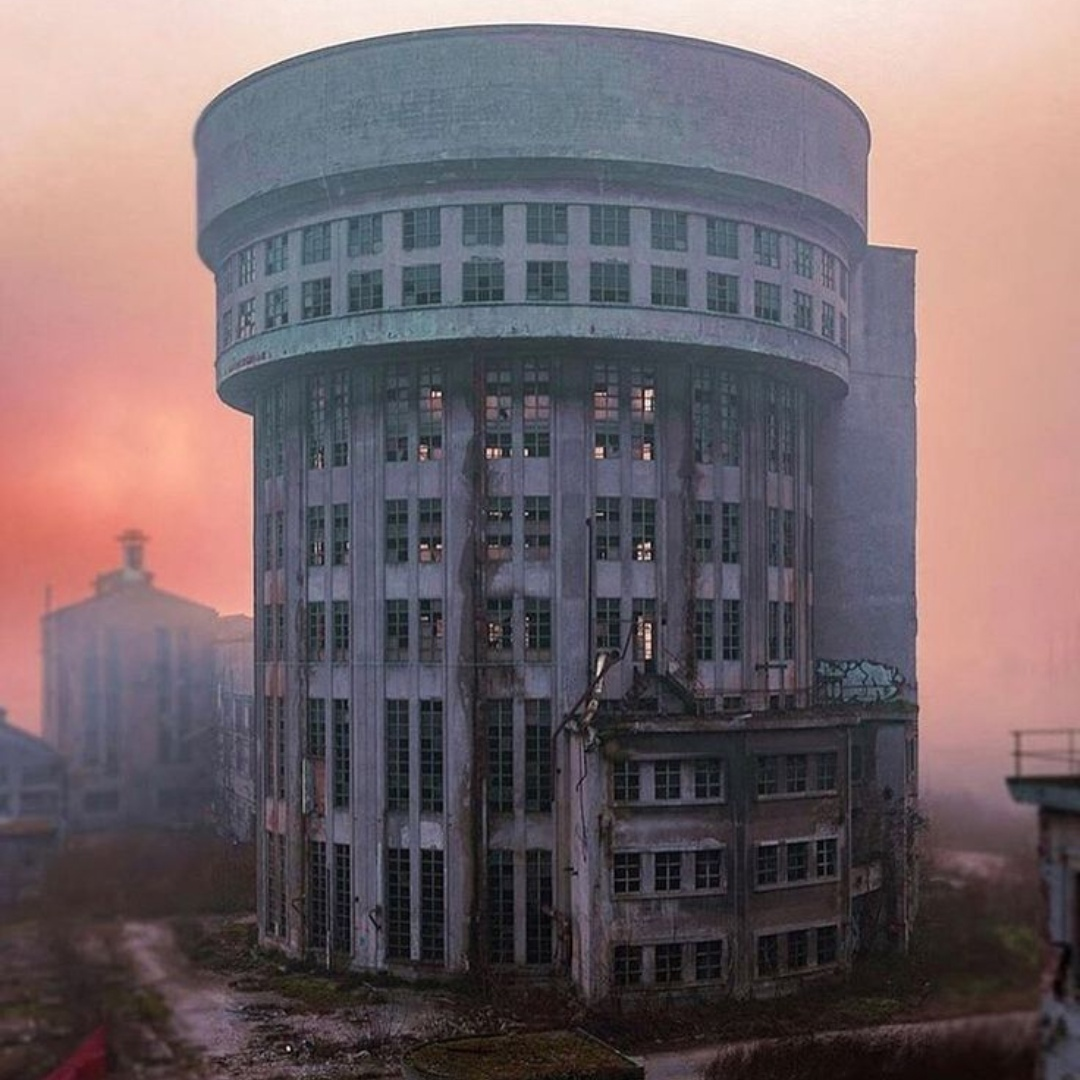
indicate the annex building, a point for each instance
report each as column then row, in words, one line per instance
column 585, row 507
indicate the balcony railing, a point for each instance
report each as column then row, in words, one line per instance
column 1046, row 752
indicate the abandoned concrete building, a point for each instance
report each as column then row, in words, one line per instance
column 585, row 507
column 129, row 700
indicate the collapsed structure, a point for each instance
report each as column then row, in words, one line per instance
column 585, row 506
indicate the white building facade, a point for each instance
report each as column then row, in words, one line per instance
column 584, row 425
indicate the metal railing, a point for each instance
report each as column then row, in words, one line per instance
column 1046, row 752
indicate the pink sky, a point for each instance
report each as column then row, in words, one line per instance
column 106, row 317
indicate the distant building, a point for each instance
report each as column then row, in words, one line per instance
column 584, row 493
column 234, row 680
column 31, row 811
column 129, row 700
column 1046, row 774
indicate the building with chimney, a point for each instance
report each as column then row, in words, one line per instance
column 585, row 507
column 129, row 700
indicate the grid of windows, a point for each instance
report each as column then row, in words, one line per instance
column 643, row 413
column 421, row 228
column 668, row 231
column 396, row 414
column 609, row 226
column 605, row 407
column 421, row 285
column 498, row 411
column 793, row 862
column 536, row 409
column 669, row 286
column 545, row 223
column 482, row 224
column 429, row 424
column 547, row 281
column 482, row 281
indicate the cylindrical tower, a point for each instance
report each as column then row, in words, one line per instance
column 535, row 323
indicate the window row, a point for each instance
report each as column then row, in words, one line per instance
column 329, row 898
column 535, row 628
column 484, row 281
column 339, row 748
column 483, row 225
column 711, row 641
column 414, row 755
column 793, row 862
column 670, row 963
column 642, row 873
column 796, row 774
column 510, row 940
column 795, row 951
column 519, row 761
column 415, row 910
column 642, row 781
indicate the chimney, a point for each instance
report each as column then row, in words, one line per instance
column 132, row 542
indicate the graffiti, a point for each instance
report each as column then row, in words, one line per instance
column 861, row 681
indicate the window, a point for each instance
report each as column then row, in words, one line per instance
column 722, row 237
column 429, row 538
column 421, row 228
column 396, row 646
column 708, row 960
column 626, row 965
column 825, row 771
column 703, row 532
column 609, row 226
column 482, row 224
column 245, row 319
column 788, row 538
column 316, row 428
column 767, row 301
column 316, row 536
column 538, row 920
column 643, row 529
column 828, row 320
column 668, row 230
column 722, row 293
column 340, row 610
column 843, row 331
column 397, row 755
column 245, row 266
column 365, row 235
column 225, row 329
column 668, row 963
column 315, row 299
column 276, row 312
column 421, row 285
column 709, row 869
column 795, row 774
column 432, row 912
column 605, row 401
column 538, row 526
column 828, row 270
column 431, row 755
column 667, row 780
column 767, row 865
column 766, row 247
column 644, row 616
column 804, row 259
column 609, row 282
column 768, row 774
column 343, row 898
column 701, row 419
column 398, row 904
column 430, row 422
column 397, row 530
column 536, row 409
column 277, row 254
column 843, row 282
column 342, row 750
column 772, row 536
column 729, row 532
column 316, row 728
column 431, row 631
column 608, row 630
column 482, row 281
column 315, row 244
column 626, row 781
column 626, row 873
column 500, row 897
column 538, row 787
column 316, row 631
column 607, row 527
column 499, row 527
column 798, row 860
column 667, row 871
column 708, row 778
column 773, row 631
column 396, row 414
column 537, row 627
column 669, row 286
column 341, row 534
column 704, row 630
column 798, row 949
column 500, row 625
column 643, row 413
column 365, row 290
column 545, row 223
column 827, row 940
column 730, row 420
column 500, row 748
column 826, row 857
column 316, row 893
column 498, row 411
column 547, row 281
column 804, row 311
column 789, row 630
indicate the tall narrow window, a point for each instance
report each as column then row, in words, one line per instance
column 701, row 418
column 704, row 630
column 766, row 247
column 398, row 904
column 500, row 902
column 500, row 639
column 317, row 912
column 397, row 755
column 703, row 532
column 341, row 630
column 606, row 411
column 538, row 897
column 316, row 441
column 608, row 626
column 397, row 530
column 396, row 647
column 316, row 536
column 431, row 631
column 341, row 537
column 537, row 628
column 730, row 420
column 315, row 243
column 773, row 630
column 538, row 789
column 277, row 254
column 772, row 535
column 607, row 527
column 498, row 411
column 731, row 630
column 499, row 527
column 767, row 301
column 730, row 532
column 537, row 526
column 644, row 615
column 643, row 413
column 316, row 631
column 429, row 530
column 500, row 748
column 343, row 898
column 431, row 755
column 788, row 538
column 643, row 529
column 342, row 753
column 432, row 907
column 396, row 415
column 536, row 409
column 315, row 740
column 429, row 428
column 342, row 420
column 803, row 259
